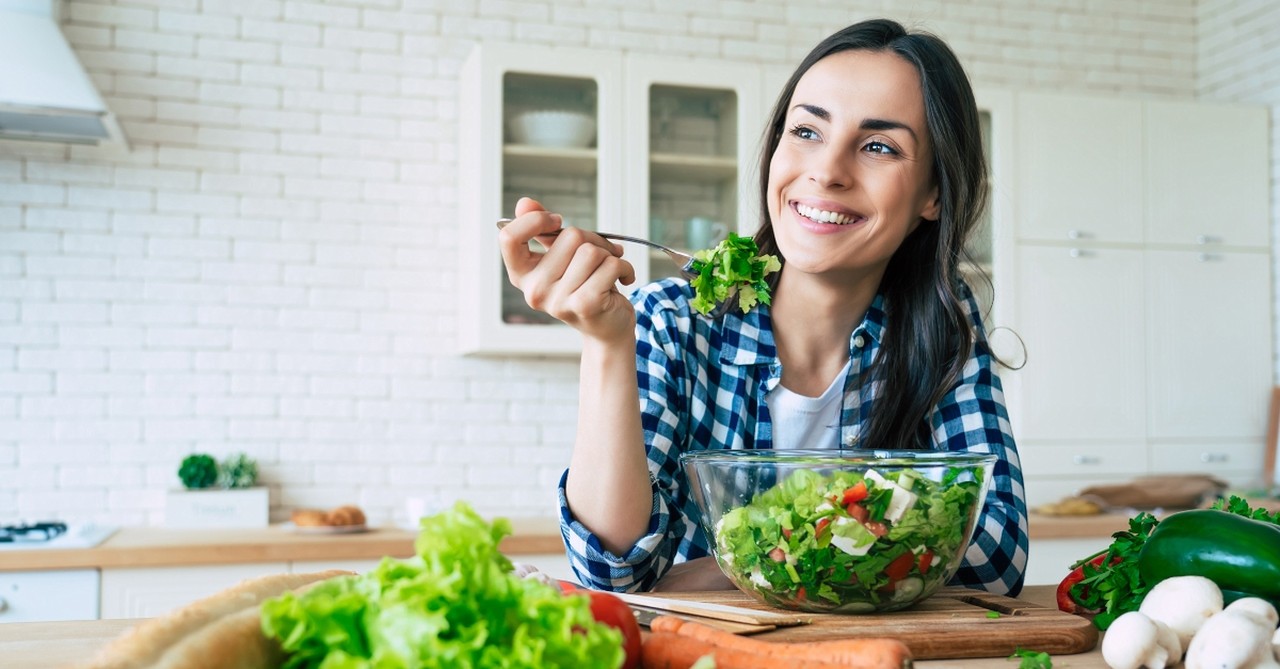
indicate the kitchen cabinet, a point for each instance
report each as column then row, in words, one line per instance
column 674, row 140
column 151, row 591
column 1079, row 168
column 54, row 594
column 1206, row 174
column 1142, row 290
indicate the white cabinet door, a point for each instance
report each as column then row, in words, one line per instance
column 1079, row 167
column 1206, row 174
column 147, row 592
column 1081, row 317
column 1049, row 560
column 57, row 594
column 1209, row 334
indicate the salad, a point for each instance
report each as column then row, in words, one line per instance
column 850, row 541
column 732, row 265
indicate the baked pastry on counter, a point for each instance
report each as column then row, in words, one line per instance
column 342, row 516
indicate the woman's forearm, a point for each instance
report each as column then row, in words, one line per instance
column 608, row 485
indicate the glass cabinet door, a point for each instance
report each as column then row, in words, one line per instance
column 540, row 122
column 692, row 127
column 548, row 151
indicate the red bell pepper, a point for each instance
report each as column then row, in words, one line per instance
column 1065, row 601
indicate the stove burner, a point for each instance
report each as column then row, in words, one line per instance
column 31, row 532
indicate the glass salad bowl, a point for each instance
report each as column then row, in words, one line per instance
column 836, row 531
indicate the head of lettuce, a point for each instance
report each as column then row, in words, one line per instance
column 456, row 604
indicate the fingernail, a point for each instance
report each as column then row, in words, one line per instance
column 558, row 219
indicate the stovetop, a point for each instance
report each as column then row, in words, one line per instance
column 46, row 535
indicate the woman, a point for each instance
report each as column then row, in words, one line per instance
column 872, row 177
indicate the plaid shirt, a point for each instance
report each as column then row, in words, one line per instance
column 702, row 385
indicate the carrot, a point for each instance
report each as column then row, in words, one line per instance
column 674, row 643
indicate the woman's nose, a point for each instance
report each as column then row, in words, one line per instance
column 831, row 168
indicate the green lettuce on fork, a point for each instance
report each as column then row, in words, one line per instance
column 457, row 603
column 734, row 264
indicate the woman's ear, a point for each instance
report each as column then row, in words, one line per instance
column 931, row 206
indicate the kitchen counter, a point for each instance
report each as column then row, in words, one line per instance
column 156, row 547
column 50, row 645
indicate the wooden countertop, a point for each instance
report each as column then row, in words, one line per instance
column 159, row 547
column 162, row 547
column 54, row 645
column 1077, row 527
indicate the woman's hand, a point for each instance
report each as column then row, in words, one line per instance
column 576, row 280
column 697, row 574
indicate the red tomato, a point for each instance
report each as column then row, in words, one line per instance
column 900, row 567
column 858, row 512
column 855, row 493
column 926, row 560
column 878, row 529
column 822, row 525
column 614, row 612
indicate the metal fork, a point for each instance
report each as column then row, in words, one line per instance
column 684, row 261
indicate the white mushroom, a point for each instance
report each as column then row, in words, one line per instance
column 1258, row 607
column 1183, row 603
column 1134, row 641
column 1237, row 639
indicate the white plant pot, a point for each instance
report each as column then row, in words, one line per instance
column 241, row 507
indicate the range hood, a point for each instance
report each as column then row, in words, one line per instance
column 45, row 94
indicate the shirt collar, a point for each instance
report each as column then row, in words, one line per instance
column 748, row 338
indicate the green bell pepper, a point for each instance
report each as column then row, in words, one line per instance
column 1240, row 554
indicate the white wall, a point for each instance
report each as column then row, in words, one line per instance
column 272, row 267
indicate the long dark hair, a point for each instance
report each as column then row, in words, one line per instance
column 928, row 334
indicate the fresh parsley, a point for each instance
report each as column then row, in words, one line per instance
column 1114, row 586
column 734, row 264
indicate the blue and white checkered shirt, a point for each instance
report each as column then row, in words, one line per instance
column 703, row 384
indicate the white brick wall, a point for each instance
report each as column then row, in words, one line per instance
column 1238, row 59
column 272, row 267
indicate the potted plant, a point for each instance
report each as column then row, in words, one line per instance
column 217, row 494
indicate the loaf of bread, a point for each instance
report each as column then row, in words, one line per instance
column 343, row 516
column 219, row 631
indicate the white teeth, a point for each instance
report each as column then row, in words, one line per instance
column 823, row 216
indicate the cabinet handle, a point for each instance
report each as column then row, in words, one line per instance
column 4, row 605
column 1078, row 234
column 1214, row 457
column 1086, row 460
column 1208, row 257
column 1208, row 239
column 1080, row 253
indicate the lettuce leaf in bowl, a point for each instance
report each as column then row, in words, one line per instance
column 456, row 604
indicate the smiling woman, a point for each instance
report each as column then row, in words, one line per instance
column 872, row 179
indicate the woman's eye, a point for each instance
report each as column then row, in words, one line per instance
column 803, row 132
column 881, row 148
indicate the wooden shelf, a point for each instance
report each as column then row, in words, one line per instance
column 685, row 167
column 536, row 159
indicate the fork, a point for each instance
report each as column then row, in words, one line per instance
column 684, row 261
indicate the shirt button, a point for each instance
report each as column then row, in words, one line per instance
column 858, row 341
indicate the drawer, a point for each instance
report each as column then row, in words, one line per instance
column 1219, row 458
column 1050, row 459
column 1050, row 560
column 57, row 594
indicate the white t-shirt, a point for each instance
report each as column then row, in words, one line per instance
column 807, row 422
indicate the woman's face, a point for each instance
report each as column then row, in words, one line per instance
column 851, row 176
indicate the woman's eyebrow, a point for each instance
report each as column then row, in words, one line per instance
column 867, row 124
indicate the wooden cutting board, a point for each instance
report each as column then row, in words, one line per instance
column 953, row 623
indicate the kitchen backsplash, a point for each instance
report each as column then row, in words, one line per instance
column 272, row 267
